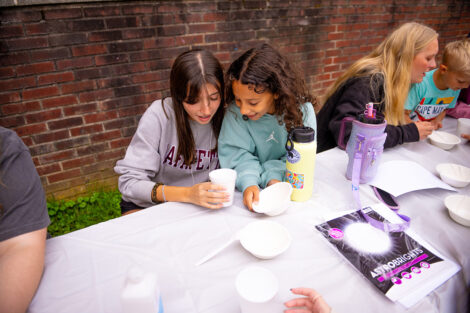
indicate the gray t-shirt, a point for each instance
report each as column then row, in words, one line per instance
column 24, row 207
column 151, row 155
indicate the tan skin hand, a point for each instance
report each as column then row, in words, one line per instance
column 272, row 181
column 207, row 195
column 424, row 129
column 407, row 117
column 312, row 302
column 250, row 195
column 437, row 122
column 466, row 136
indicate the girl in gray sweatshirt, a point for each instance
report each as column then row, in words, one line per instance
column 175, row 144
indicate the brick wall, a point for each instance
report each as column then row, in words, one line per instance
column 75, row 78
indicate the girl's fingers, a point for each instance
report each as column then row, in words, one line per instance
column 212, row 206
column 300, row 302
column 215, row 187
column 296, row 302
column 308, row 292
column 297, row 311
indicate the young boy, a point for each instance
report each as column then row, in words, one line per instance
column 440, row 88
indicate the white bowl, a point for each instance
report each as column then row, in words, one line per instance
column 265, row 239
column 454, row 174
column 459, row 208
column 444, row 140
column 274, row 200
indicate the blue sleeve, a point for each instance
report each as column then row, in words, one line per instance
column 413, row 98
column 275, row 169
column 309, row 116
column 236, row 150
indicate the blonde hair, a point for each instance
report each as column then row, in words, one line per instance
column 392, row 60
column 456, row 56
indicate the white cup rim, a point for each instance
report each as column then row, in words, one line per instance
column 223, row 171
column 268, row 275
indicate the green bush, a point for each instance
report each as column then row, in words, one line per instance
column 69, row 215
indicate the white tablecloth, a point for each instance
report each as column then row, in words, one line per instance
column 85, row 269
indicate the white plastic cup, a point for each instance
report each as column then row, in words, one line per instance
column 257, row 287
column 463, row 127
column 225, row 177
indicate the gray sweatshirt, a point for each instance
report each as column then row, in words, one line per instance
column 151, row 155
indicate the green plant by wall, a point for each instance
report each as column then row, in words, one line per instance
column 70, row 215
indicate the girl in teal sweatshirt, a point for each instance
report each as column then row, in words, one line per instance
column 266, row 98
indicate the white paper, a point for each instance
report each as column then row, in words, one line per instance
column 401, row 176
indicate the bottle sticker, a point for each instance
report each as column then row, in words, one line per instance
column 295, row 179
column 293, row 156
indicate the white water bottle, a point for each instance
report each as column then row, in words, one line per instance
column 141, row 293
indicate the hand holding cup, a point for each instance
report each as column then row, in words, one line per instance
column 225, row 177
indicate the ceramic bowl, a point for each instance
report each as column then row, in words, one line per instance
column 265, row 239
column 454, row 174
column 444, row 140
column 459, row 208
column 274, row 200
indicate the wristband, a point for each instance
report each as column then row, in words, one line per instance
column 154, row 193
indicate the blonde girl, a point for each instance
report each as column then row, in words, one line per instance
column 384, row 78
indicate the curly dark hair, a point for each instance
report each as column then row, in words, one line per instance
column 265, row 68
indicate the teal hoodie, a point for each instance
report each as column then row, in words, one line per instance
column 256, row 149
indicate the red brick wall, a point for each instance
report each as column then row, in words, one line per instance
column 75, row 78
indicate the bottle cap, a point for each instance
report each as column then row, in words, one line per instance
column 377, row 119
column 303, row 134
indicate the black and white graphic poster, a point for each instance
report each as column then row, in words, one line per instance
column 403, row 268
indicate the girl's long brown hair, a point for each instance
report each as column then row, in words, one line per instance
column 264, row 68
column 190, row 72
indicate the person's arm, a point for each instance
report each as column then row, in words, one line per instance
column 237, row 151
column 437, row 122
column 21, row 267
column 397, row 135
column 204, row 194
column 407, row 116
column 142, row 160
column 22, row 225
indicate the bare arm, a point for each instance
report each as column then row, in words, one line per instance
column 407, row 116
column 438, row 120
column 424, row 128
column 21, row 267
column 204, row 194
